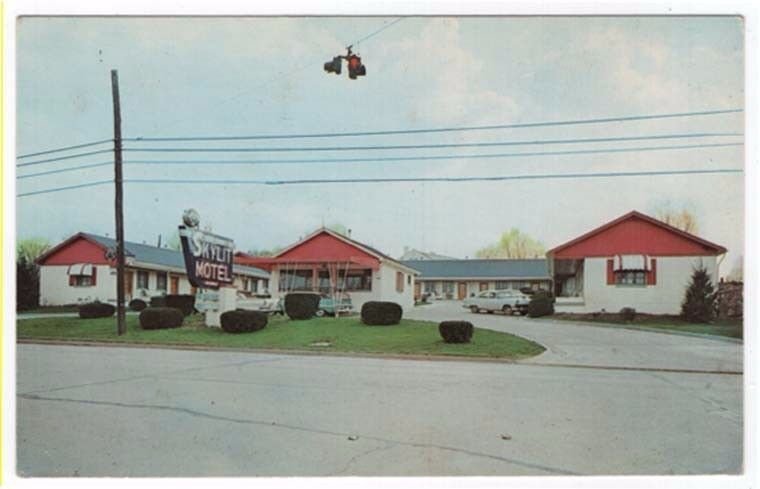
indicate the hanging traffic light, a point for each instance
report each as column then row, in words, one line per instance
column 355, row 66
column 333, row 66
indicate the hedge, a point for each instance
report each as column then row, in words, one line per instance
column 158, row 301
column 243, row 321
column 161, row 318
column 94, row 310
column 540, row 305
column 183, row 302
column 137, row 305
column 628, row 314
column 456, row 331
column 301, row 305
column 375, row 313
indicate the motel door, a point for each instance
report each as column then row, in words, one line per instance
column 483, row 286
column 128, row 276
column 417, row 290
column 174, row 286
column 462, row 290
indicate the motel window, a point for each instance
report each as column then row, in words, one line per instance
column 408, row 280
column 399, row 282
column 359, row 279
column 142, row 279
column 81, row 280
column 161, row 281
column 631, row 277
column 295, row 280
column 448, row 287
column 429, row 287
column 501, row 285
column 323, row 283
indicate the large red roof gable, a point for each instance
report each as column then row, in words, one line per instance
column 77, row 249
column 636, row 233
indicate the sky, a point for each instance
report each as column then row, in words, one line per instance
column 239, row 76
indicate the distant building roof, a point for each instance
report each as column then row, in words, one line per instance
column 477, row 269
column 411, row 254
column 167, row 257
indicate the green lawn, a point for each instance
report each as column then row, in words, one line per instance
column 732, row 328
column 345, row 334
column 50, row 310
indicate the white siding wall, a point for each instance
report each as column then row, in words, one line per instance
column 388, row 286
column 56, row 291
column 673, row 277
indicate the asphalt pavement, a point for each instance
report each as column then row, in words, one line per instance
column 583, row 344
column 114, row 411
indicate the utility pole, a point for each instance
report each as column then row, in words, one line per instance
column 121, row 319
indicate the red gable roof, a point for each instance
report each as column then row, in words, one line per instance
column 77, row 249
column 323, row 246
column 636, row 233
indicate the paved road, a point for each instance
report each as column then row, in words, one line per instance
column 97, row 411
column 582, row 344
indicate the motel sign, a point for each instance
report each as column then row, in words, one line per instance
column 208, row 257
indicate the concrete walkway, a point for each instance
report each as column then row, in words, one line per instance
column 582, row 344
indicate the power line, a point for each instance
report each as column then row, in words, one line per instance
column 436, row 179
column 431, row 146
column 426, row 158
column 377, row 31
column 64, row 170
column 59, row 189
column 397, row 180
column 65, row 148
column 381, row 159
column 436, row 130
column 61, row 158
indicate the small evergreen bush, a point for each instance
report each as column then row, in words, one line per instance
column 376, row 313
column 698, row 305
column 240, row 321
column 456, row 331
column 183, row 302
column 301, row 305
column 161, row 318
column 137, row 305
column 94, row 310
column 628, row 314
column 540, row 305
column 158, row 301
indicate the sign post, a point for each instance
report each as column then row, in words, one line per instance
column 209, row 262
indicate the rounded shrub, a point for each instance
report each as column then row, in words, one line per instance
column 94, row 310
column 183, row 302
column 456, row 331
column 161, row 318
column 240, row 321
column 158, row 301
column 627, row 314
column 137, row 305
column 376, row 313
column 540, row 305
column 301, row 305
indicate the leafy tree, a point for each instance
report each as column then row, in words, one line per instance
column 698, row 305
column 737, row 273
column 513, row 244
column 28, row 273
column 264, row 252
column 173, row 242
column 338, row 228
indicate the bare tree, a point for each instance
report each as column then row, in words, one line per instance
column 682, row 218
column 513, row 244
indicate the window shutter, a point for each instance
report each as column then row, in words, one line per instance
column 652, row 273
column 94, row 275
column 610, row 272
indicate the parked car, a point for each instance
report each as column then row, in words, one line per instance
column 332, row 307
column 507, row 301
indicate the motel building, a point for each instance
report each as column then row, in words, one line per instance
column 459, row 279
column 633, row 261
column 330, row 263
column 83, row 269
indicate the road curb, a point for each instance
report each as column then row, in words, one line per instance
column 525, row 362
column 571, row 322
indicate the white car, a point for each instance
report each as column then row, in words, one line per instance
column 507, row 301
